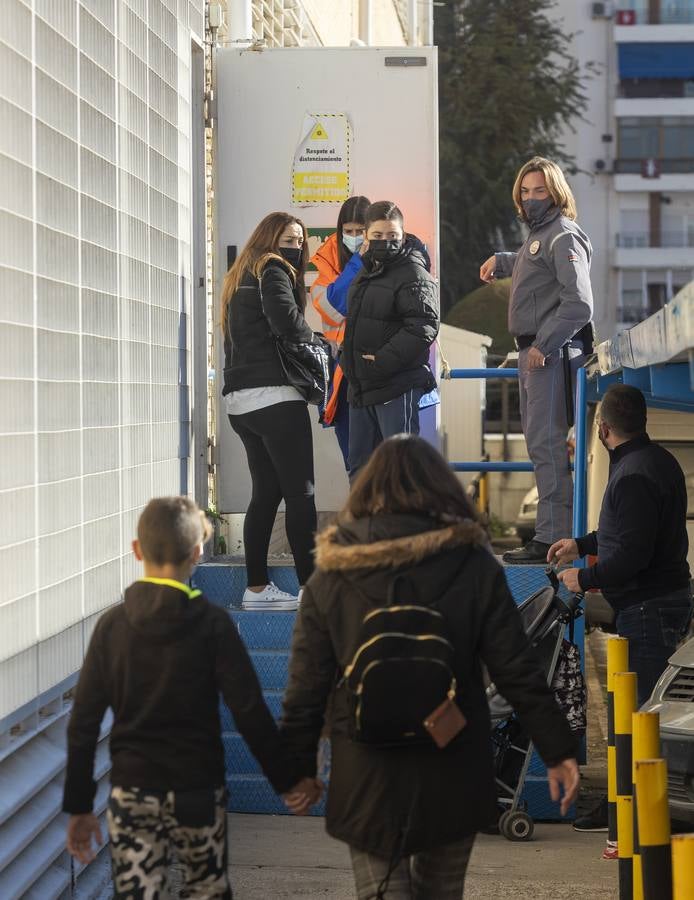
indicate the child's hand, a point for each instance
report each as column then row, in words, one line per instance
column 303, row 796
column 81, row 830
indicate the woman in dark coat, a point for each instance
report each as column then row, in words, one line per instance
column 263, row 300
column 410, row 814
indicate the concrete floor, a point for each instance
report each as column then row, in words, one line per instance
column 281, row 857
column 277, row 857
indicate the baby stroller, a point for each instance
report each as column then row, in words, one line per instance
column 545, row 618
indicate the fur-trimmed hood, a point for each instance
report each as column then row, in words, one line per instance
column 391, row 542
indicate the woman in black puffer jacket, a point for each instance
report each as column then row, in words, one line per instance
column 264, row 298
column 392, row 321
column 410, row 813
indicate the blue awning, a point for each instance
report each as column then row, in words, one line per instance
column 656, row 60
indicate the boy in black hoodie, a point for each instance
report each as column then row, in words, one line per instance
column 159, row 660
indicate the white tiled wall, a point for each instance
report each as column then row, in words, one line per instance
column 95, row 277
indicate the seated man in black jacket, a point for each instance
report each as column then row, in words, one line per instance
column 641, row 542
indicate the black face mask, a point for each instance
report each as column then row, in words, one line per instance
column 382, row 251
column 536, row 210
column 292, row 255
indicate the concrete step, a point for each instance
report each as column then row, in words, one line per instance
column 253, row 794
column 223, row 579
column 265, row 630
column 267, row 635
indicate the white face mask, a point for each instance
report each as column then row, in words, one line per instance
column 352, row 241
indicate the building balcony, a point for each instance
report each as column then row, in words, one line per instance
column 674, row 166
column 633, row 251
column 655, row 34
column 643, row 13
column 630, row 315
column 641, row 239
column 674, row 176
column 660, row 107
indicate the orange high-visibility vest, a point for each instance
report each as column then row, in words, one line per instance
column 327, row 261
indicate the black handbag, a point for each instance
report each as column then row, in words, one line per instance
column 306, row 365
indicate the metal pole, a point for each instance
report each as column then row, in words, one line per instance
column 504, row 419
column 617, row 661
column 412, row 22
column 365, row 21
column 483, row 373
column 624, row 684
column 492, row 467
column 682, row 866
column 580, row 457
column 654, row 828
column 645, row 730
column 625, row 817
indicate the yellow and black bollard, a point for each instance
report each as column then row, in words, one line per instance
column 625, row 818
column 617, row 661
column 645, row 743
column 654, row 828
column 624, row 687
column 483, row 499
column 683, row 867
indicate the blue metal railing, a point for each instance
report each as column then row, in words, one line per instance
column 485, row 374
column 580, row 456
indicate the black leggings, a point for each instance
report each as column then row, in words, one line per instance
column 279, row 447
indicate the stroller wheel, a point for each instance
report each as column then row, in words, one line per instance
column 516, row 826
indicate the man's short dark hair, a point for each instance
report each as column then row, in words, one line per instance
column 623, row 408
column 170, row 528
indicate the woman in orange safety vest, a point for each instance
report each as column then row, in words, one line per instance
column 338, row 261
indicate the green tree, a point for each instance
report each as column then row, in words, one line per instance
column 508, row 85
column 485, row 311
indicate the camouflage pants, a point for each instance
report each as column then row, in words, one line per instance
column 145, row 826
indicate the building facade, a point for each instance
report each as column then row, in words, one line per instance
column 635, row 152
column 105, row 323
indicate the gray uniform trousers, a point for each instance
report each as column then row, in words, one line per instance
column 543, row 417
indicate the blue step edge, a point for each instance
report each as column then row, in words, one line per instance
column 272, row 668
column 265, row 630
column 273, row 699
column 224, row 582
column 253, row 794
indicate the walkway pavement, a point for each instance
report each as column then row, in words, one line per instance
column 281, row 857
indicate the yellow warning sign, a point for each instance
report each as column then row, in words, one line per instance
column 319, row 133
column 321, row 167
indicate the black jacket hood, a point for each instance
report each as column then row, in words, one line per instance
column 162, row 610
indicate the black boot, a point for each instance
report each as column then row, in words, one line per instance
column 533, row 554
column 595, row 820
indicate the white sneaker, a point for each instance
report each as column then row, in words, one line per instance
column 271, row 597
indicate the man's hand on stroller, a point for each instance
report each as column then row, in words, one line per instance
column 564, row 776
column 563, row 551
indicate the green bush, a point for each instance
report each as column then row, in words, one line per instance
column 485, row 311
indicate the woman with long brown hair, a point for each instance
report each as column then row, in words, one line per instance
column 263, row 300
column 407, row 545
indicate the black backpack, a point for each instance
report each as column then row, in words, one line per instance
column 401, row 671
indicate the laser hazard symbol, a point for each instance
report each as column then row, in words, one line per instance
column 319, row 133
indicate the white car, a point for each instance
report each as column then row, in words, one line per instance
column 673, row 698
column 525, row 523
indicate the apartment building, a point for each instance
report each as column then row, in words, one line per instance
column 635, row 151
